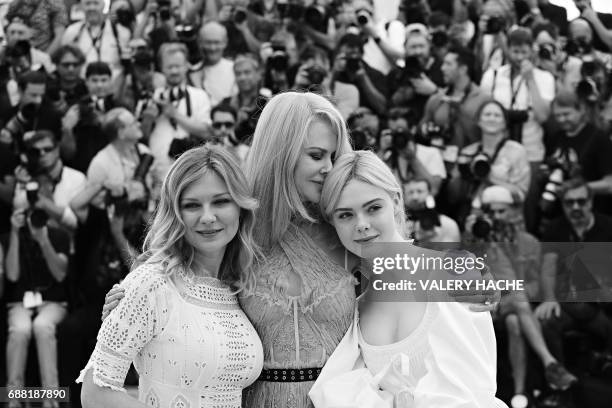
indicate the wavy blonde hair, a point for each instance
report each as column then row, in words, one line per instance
column 165, row 242
column 277, row 145
column 365, row 166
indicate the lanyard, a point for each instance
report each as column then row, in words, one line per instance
column 514, row 92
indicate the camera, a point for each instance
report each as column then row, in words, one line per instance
column 495, row 25
column 516, row 119
column 400, row 138
column 559, row 168
column 316, row 74
column 352, row 64
column 428, row 218
column 120, row 203
column 314, row 16
column 412, row 67
column 125, row 17
column 38, row 217
column 164, row 10
column 363, row 17
column 239, row 15
column 578, row 46
column 19, row 50
column 440, row 39
column 546, row 52
column 482, row 227
column 587, row 90
column 432, row 135
column 278, row 61
column 359, row 139
column 480, row 166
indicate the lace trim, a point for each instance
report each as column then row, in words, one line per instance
column 98, row 378
column 307, row 304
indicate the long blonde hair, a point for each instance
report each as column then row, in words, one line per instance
column 165, row 242
column 365, row 166
column 279, row 137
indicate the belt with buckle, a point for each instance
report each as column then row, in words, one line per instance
column 290, row 375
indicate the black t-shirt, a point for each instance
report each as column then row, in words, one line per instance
column 71, row 96
column 34, row 274
column 594, row 151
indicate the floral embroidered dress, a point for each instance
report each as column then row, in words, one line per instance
column 297, row 331
column 188, row 338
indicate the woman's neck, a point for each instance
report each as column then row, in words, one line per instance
column 490, row 141
column 207, row 265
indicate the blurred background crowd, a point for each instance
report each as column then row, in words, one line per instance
column 495, row 115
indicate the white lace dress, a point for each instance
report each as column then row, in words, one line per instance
column 188, row 338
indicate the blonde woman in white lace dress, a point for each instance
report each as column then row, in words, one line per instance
column 180, row 322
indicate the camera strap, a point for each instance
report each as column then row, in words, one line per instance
column 185, row 95
column 498, row 148
column 514, row 91
column 97, row 41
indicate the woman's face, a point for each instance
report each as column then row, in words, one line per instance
column 316, row 160
column 492, row 119
column 210, row 215
column 365, row 214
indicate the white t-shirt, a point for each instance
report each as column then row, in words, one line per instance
column 217, row 80
column 500, row 87
column 109, row 48
column 164, row 132
column 395, row 35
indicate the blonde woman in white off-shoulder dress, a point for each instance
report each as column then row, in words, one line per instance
column 180, row 322
column 410, row 354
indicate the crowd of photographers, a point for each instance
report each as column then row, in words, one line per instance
column 495, row 115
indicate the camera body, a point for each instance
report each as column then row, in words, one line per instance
column 480, row 166
column 433, row 135
column 400, row 138
column 278, row 61
column 495, row 25
column 352, row 64
column 316, row 74
column 363, row 17
column 38, row 217
column 164, row 10
column 482, row 227
column 516, row 119
column 546, row 52
column 428, row 218
column 412, row 69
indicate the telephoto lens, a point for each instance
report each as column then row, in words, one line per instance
column 32, row 192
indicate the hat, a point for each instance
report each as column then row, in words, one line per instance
column 417, row 27
column 497, row 194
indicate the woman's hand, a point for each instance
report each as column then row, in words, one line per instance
column 112, row 300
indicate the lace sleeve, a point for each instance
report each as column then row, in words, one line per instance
column 140, row 315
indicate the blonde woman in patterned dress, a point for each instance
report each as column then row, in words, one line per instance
column 180, row 322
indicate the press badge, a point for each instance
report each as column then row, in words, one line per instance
column 32, row 299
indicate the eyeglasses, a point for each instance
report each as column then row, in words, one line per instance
column 569, row 202
column 227, row 125
column 35, row 151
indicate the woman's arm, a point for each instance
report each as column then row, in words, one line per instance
column 122, row 336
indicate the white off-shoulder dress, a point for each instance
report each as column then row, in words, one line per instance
column 188, row 339
column 448, row 361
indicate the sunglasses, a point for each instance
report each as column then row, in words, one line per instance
column 33, row 151
column 227, row 125
column 569, row 202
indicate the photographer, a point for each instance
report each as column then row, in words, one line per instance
column 580, row 43
column 183, row 111
column 550, row 57
column 420, row 78
column 385, row 43
column 41, row 163
column 135, row 86
column 241, row 24
column 36, row 268
column 350, row 68
column 425, row 224
column 98, row 37
column 19, row 35
column 65, row 86
column 491, row 41
column 48, row 21
column 585, row 145
column 250, row 97
column 33, row 112
column 216, row 76
column 566, row 273
column 82, row 137
column 454, row 109
column 514, row 254
column 224, row 124
column 407, row 158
